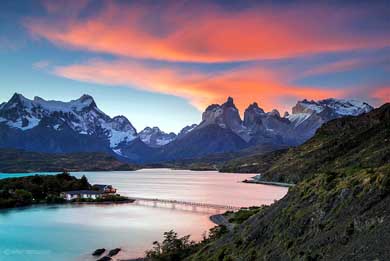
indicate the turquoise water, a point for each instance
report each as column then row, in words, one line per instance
column 72, row 232
column 18, row 175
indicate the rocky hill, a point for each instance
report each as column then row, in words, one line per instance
column 339, row 209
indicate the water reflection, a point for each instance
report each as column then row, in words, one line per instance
column 72, row 232
column 195, row 186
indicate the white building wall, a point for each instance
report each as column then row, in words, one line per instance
column 86, row 196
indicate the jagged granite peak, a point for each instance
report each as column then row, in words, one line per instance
column 155, row 137
column 265, row 128
column 254, row 107
column 225, row 116
column 252, row 115
column 229, row 102
column 80, row 115
column 274, row 113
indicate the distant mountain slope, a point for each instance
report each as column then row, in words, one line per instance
column 14, row 161
column 138, row 151
column 44, row 139
column 339, row 210
column 207, row 140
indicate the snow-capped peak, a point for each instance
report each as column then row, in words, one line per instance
column 79, row 104
column 17, row 101
column 154, row 137
column 315, row 113
column 81, row 115
column 347, row 106
column 340, row 107
column 122, row 123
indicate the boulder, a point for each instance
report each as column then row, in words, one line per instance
column 105, row 258
column 114, row 252
column 99, row 252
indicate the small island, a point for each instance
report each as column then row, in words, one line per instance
column 55, row 189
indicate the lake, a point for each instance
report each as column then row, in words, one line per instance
column 72, row 232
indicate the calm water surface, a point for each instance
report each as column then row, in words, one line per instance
column 71, row 232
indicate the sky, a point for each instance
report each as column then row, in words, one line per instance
column 161, row 63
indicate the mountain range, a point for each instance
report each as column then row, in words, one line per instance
column 80, row 126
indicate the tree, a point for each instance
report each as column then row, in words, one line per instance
column 172, row 248
column 23, row 197
column 84, row 184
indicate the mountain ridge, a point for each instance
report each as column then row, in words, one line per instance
column 79, row 125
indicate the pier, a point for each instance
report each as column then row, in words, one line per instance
column 158, row 202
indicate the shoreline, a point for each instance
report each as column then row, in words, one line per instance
column 103, row 202
column 130, row 201
column 221, row 220
column 272, row 183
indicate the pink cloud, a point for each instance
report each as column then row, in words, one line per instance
column 207, row 33
column 382, row 94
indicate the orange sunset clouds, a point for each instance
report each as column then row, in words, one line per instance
column 152, row 47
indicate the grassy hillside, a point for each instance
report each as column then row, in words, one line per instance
column 258, row 163
column 334, row 216
column 13, row 161
column 339, row 209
